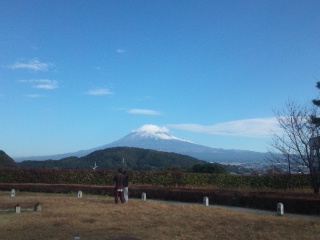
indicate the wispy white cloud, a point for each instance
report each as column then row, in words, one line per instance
column 99, row 91
column 119, row 50
column 256, row 127
column 34, row 96
column 151, row 129
column 33, row 47
column 144, row 112
column 42, row 83
column 47, row 84
column 33, row 64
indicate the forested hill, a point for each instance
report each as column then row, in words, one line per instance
column 6, row 161
column 112, row 158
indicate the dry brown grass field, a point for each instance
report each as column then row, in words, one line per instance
column 97, row 217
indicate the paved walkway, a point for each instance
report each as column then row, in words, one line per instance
column 248, row 210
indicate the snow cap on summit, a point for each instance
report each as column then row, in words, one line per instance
column 151, row 129
column 154, row 131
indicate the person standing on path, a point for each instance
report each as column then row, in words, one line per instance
column 126, row 183
column 119, row 180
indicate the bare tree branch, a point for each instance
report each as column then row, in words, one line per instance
column 292, row 143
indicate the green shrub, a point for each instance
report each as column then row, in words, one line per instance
column 156, row 178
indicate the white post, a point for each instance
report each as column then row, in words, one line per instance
column 17, row 208
column 144, row 196
column 77, row 237
column 280, row 209
column 79, row 194
column 13, row 193
column 206, row 201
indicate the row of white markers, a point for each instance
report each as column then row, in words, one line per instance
column 280, row 208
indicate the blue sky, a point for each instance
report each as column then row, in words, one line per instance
column 80, row 74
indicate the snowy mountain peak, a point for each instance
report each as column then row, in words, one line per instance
column 156, row 132
column 150, row 128
column 158, row 138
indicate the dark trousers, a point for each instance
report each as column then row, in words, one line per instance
column 118, row 194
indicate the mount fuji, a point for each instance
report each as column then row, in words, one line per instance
column 157, row 138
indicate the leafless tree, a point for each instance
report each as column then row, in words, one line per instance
column 292, row 143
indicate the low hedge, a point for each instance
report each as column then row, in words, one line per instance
column 156, row 178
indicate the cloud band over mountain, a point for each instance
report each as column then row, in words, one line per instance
column 256, row 127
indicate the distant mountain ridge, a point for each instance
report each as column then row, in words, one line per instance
column 165, row 142
column 6, row 161
column 113, row 158
column 157, row 138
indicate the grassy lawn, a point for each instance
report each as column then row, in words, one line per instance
column 97, row 217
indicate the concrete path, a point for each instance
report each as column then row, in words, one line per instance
column 248, row 210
